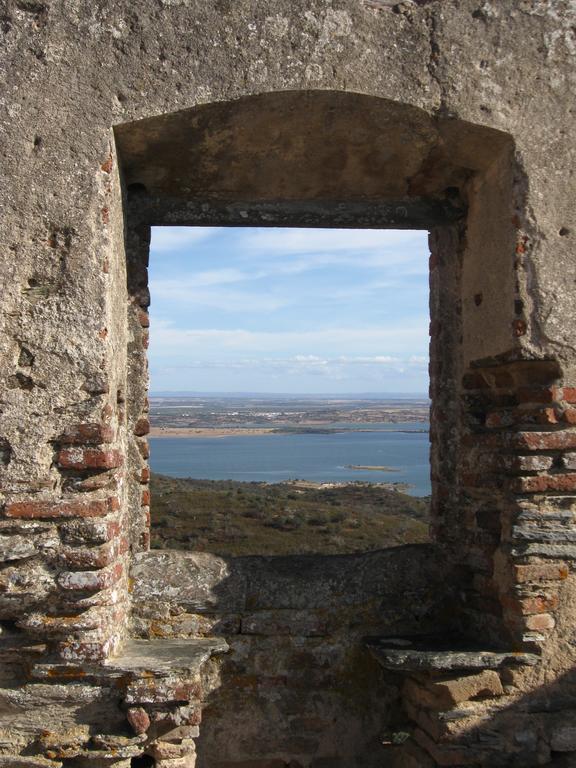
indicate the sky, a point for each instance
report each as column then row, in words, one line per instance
column 291, row 311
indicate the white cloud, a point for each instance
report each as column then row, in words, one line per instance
column 328, row 241
column 336, row 368
column 166, row 339
column 303, row 250
column 167, row 239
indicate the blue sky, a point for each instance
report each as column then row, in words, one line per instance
column 288, row 310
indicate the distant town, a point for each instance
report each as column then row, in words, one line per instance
column 202, row 415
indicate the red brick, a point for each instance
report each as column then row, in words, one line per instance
column 531, row 605
column 538, row 394
column 540, row 572
column 89, row 458
column 142, row 427
column 143, row 318
column 507, row 418
column 58, row 509
column 107, row 412
column 138, row 719
column 114, row 529
column 145, row 475
column 569, row 394
column 523, row 441
column 547, row 441
column 145, row 502
column 496, row 419
column 107, row 165
column 541, row 483
column 569, row 416
column 87, row 434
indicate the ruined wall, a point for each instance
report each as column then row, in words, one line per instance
column 72, row 452
column 297, row 686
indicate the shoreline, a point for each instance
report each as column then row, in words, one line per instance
column 303, row 429
column 208, row 432
column 215, row 432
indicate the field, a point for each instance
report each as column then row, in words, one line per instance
column 237, row 518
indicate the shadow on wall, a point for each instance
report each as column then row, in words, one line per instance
column 298, row 687
column 493, row 729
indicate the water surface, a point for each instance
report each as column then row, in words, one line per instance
column 317, row 457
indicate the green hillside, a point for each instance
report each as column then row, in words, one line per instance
column 235, row 518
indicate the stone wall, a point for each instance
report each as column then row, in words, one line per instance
column 297, row 687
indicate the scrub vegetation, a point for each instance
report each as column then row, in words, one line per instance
column 239, row 518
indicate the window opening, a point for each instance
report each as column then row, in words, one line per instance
column 288, row 389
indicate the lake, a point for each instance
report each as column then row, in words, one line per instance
column 317, row 457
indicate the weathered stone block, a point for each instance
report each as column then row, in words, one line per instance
column 89, row 532
column 164, row 750
column 90, row 581
column 444, row 693
column 16, row 548
column 540, row 622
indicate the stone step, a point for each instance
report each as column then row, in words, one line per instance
column 441, row 655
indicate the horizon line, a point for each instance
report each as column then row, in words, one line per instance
column 240, row 393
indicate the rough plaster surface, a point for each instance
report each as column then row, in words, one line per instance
column 72, row 447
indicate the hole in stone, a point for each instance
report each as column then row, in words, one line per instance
column 20, row 381
column 26, row 358
column 31, row 7
column 143, row 761
column 564, row 232
column 5, row 452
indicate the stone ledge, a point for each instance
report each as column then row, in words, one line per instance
column 19, row 761
column 141, row 659
column 440, row 655
column 163, row 657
